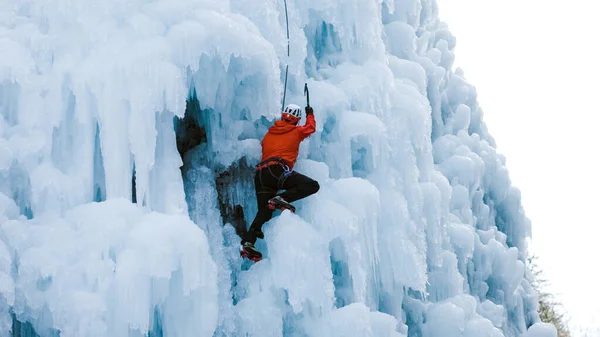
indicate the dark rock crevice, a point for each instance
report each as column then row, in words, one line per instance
column 232, row 183
column 189, row 130
column 235, row 189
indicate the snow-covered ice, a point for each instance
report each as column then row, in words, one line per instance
column 107, row 230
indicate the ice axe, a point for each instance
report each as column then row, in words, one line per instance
column 306, row 94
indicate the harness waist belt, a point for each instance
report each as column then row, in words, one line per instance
column 272, row 160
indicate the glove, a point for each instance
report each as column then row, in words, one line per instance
column 308, row 110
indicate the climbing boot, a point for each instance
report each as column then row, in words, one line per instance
column 278, row 203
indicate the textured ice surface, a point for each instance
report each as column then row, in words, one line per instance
column 106, row 267
column 107, row 230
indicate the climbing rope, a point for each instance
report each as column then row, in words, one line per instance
column 287, row 25
column 288, row 54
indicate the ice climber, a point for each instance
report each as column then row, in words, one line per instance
column 275, row 172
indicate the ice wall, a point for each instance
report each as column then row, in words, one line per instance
column 128, row 135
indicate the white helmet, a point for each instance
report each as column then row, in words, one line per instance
column 293, row 110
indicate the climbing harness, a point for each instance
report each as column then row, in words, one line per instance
column 286, row 170
column 278, row 160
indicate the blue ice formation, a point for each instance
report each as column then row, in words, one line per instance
column 128, row 135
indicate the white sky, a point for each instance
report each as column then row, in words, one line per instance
column 536, row 67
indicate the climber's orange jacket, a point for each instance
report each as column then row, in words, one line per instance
column 283, row 139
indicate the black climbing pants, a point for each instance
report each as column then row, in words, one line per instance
column 267, row 182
